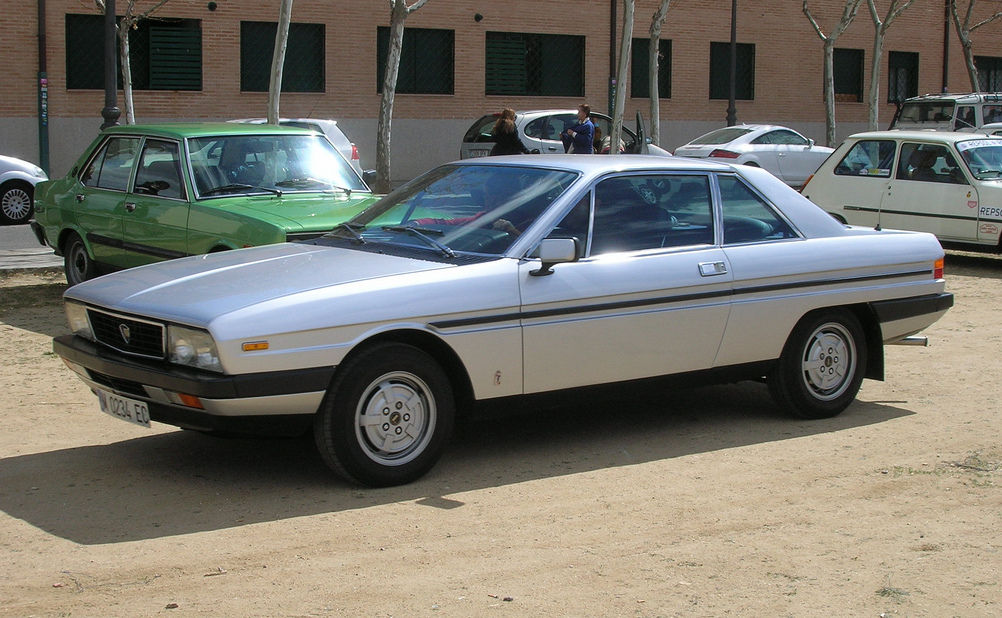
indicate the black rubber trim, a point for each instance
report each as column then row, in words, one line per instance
column 190, row 381
column 665, row 300
column 915, row 214
column 135, row 248
column 904, row 308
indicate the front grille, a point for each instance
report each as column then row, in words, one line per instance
column 127, row 334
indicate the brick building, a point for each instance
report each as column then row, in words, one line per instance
column 209, row 60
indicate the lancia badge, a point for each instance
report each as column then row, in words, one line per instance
column 124, row 330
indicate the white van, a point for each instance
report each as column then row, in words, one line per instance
column 949, row 112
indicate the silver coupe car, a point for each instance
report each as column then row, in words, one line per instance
column 490, row 280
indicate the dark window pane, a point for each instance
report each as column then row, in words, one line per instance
column 902, row 76
column 640, row 72
column 534, row 64
column 720, row 71
column 426, row 61
column 989, row 73
column 84, row 52
column 847, row 65
column 303, row 70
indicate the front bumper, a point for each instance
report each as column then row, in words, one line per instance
column 276, row 403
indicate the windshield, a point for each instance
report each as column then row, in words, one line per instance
column 983, row 157
column 247, row 164
column 480, row 132
column 940, row 111
column 468, row 208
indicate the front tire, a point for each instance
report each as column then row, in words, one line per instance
column 77, row 263
column 16, row 205
column 387, row 417
column 822, row 365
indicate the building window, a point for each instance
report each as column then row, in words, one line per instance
column 426, row 61
column 720, row 71
column 640, row 86
column 304, row 57
column 989, row 73
column 902, row 76
column 165, row 54
column 534, row 64
column 847, row 65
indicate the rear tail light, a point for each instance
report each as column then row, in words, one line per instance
column 354, row 152
column 937, row 268
column 720, row 153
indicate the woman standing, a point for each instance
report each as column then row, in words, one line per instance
column 506, row 139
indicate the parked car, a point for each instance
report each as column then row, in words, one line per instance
column 790, row 156
column 145, row 193
column 948, row 111
column 17, row 189
column 945, row 183
column 540, row 131
column 326, row 126
column 992, row 128
column 488, row 280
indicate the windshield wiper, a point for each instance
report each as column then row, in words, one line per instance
column 352, row 228
column 307, row 181
column 422, row 233
column 237, row 186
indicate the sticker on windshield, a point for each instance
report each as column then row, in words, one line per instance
column 977, row 143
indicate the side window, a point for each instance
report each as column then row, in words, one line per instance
column 112, row 166
column 965, row 118
column 747, row 217
column 575, row 224
column 929, row 163
column 868, row 158
column 991, row 113
column 159, row 170
column 633, row 213
column 788, row 138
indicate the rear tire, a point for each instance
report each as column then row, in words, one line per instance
column 77, row 263
column 16, row 205
column 387, row 417
column 822, row 365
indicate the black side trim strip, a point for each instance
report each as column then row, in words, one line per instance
column 199, row 383
column 135, row 248
column 911, row 214
column 665, row 300
column 903, row 308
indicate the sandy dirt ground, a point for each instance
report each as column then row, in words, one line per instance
column 698, row 503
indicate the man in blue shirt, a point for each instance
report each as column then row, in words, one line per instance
column 579, row 138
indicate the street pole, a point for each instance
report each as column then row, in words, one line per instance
column 110, row 113
column 732, row 111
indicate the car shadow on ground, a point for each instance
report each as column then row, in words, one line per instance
column 35, row 308
column 970, row 264
column 182, row 482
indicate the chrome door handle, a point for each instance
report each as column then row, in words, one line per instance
column 130, row 207
column 711, row 269
column 80, row 197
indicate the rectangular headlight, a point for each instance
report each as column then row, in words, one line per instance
column 192, row 347
column 76, row 315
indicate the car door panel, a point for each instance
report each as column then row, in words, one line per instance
column 101, row 198
column 646, row 315
column 155, row 221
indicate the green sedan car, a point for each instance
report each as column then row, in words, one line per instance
column 146, row 193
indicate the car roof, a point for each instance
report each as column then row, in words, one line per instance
column 597, row 164
column 971, row 97
column 183, row 130
column 934, row 136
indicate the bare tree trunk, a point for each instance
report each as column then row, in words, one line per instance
column 398, row 15
column 880, row 28
column 278, row 60
column 625, row 47
column 124, row 27
column 848, row 13
column 654, row 69
column 964, row 30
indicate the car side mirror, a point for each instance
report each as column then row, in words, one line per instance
column 810, row 144
column 554, row 251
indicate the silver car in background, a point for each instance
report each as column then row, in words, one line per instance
column 328, row 127
column 540, row 131
column 788, row 155
column 17, row 189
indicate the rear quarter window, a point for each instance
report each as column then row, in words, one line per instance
column 869, row 158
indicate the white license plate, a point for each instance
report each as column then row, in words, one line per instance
column 479, row 153
column 131, row 410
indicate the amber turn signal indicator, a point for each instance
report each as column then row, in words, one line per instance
column 254, row 346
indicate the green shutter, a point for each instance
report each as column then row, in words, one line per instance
column 175, row 58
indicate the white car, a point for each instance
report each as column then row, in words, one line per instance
column 790, row 156
column 540, row 131
column 945, row 183
column 17, row 189
column 491, row 280
column 328, row 127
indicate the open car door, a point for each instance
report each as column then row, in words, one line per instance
column 640, row 146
